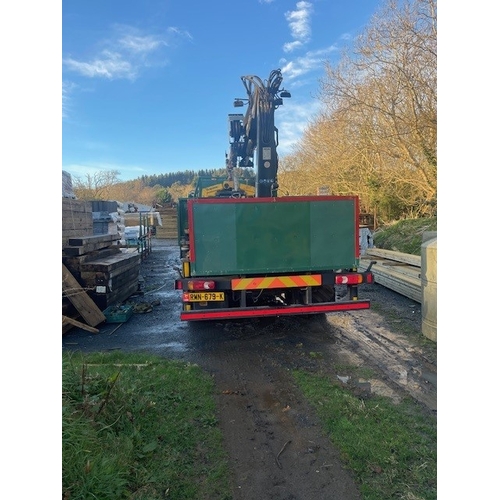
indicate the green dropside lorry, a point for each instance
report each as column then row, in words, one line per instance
column 247, row 252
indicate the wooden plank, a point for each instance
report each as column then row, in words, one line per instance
column 86, row 244
column 98, row 238
column 69, row 233
column 74, row 263
column 74, row 251
column 110, row 272
column 414, row 260
column 111, row 262
column 94, row 255
column 76, row 219
column 91, row 280
column 77, row 222
column 396, row 267
column 408, row 286
column 79, row 324
column 80, row 299
column 71, row 205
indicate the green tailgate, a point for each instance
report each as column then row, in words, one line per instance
column 278, row 235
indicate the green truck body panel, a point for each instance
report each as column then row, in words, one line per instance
column 271, row 235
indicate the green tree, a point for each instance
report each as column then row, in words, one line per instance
column 163, row 196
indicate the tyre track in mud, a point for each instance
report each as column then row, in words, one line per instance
column 403, row 364
column 276, row 444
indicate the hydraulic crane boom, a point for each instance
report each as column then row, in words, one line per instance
column 254, row 137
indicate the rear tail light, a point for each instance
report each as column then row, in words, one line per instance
column 354, row 278
column 201, row 285
column 349, row 279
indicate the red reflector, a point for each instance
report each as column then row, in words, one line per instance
column 201, row 285
column 348, row 279
column 369, row 278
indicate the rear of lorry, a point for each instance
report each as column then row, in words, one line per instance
column 255, row 257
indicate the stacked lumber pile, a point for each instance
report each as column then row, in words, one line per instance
column 108, row 274
column 76, row 219
column 97, row 272
column 147, row 219
column 168, row 229
column 108, row 217
column 395, row 270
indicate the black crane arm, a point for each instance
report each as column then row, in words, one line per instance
column 254, row 137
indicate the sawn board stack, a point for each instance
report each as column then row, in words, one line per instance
column 108, row 273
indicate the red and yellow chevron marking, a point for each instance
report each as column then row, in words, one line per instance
column 276, row 282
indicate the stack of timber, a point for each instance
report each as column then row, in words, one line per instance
column 147, row 219
column 168, row 229
column 76, row 304
column 107, row 272
column 395, row 270
column 96, row 273
column 76, row 219
column 108, row 217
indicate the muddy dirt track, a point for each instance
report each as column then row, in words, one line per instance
column 275, row 443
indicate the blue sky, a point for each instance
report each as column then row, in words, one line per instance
column 147, row 86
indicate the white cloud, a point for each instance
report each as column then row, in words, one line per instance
column 67, row 88
column 108, row 65
column 127, row 52
column 311, row 61
column 299, row 21
column 180, row 33
column 140, row 44
column 291, row 46
column 291, row 121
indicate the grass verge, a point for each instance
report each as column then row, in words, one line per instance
column 405, row 235
column 139, row 427
column 391, row 449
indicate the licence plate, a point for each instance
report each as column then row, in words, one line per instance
column 204, row 296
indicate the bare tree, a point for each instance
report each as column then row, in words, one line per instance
column 388, row 92
column 95, row 186
column 377, row 136
column 177, row 190
column 133, row 191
